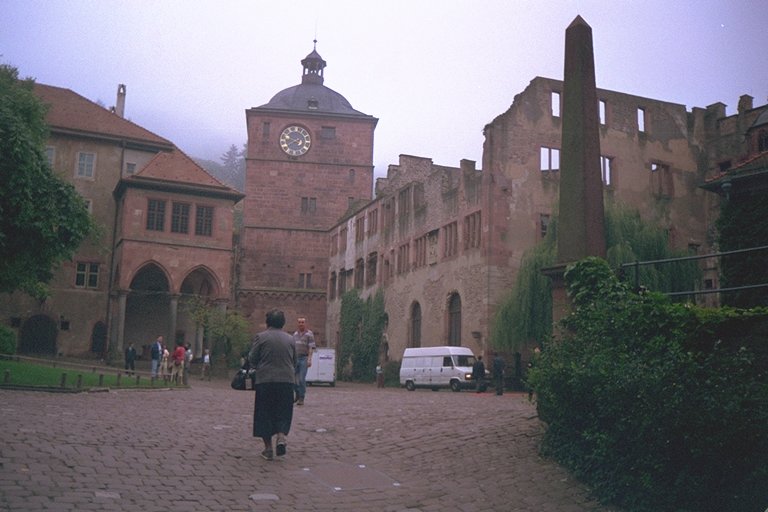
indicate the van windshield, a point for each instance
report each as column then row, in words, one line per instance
column 465, row 360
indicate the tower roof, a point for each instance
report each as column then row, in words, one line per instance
column 311, row 95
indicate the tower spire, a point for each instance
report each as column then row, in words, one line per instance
column 313, row 67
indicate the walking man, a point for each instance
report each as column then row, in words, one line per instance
column 305, row 345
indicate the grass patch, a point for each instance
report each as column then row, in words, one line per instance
column 29, row 374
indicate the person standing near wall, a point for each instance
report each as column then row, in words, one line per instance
column 273, row 359
column 155, row 352
column 305, row 345
column 177, row 358
column 498, row 373
column 130, row 359
column 206, row 371
column 478, row 374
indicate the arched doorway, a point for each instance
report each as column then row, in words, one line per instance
column 99, row 338
column 147, row 309
column 199, row 284
column 38, row 336
column 454, row 320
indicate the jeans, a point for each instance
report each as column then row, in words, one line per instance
column 154, row 367
column 301, row 377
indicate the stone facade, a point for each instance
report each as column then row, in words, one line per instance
column 127, row 282
column 425, row 240
column 444, row 244
column 655, row 156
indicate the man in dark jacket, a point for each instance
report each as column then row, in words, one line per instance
column 130, row 359
column 478, row 374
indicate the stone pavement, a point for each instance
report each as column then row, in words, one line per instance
column 352, row 448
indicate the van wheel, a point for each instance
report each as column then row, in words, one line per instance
column 455, row 386
column 409, row 385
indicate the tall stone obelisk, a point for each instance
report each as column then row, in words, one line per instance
column 581, row 219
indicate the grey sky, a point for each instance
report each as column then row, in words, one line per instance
column 433, row 72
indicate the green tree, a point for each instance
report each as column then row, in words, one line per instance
column 42, row 218
column 227, row 332
column 233, row 166
column 524, row 316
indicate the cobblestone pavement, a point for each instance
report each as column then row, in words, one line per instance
column 352, row 447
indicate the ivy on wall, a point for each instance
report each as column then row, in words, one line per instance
column 524, row 317
column 361, row 326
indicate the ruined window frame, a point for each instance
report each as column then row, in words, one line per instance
column 552, row 155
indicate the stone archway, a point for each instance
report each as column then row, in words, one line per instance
column 200, row 283
column 148, row 309
column 38, row 336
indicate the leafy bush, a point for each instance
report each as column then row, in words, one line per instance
column 7, row 340
column 657, row 406
column 392, row 374
column 361, row 326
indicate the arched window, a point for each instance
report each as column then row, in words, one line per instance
column 454, row 320
column 415, row 325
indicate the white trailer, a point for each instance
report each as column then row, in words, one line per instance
column 323, row 369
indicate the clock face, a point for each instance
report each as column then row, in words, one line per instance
column 295, row 140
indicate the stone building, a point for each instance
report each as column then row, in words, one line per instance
column 164, row 234
column 309, row 159
column 444, row 244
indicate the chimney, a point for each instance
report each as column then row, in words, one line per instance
column 120, row 106
column 745, row 103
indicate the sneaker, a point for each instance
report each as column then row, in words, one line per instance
column 281, row 445
column 267, row 454
column 300, row 401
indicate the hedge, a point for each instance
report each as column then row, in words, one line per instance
column 657, row 406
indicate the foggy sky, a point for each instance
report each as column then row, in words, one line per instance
column 434, row 73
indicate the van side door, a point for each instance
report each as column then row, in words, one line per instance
column 443, row 371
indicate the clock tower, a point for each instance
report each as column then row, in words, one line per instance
column 309, row 157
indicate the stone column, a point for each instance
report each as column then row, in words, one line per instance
column 122, row 297
column 581, row 219
column 174, row 307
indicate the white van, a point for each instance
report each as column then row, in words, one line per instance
column 437, row 367
column 323, row 369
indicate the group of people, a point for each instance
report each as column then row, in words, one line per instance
column 280, row 362
column 175, row 367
